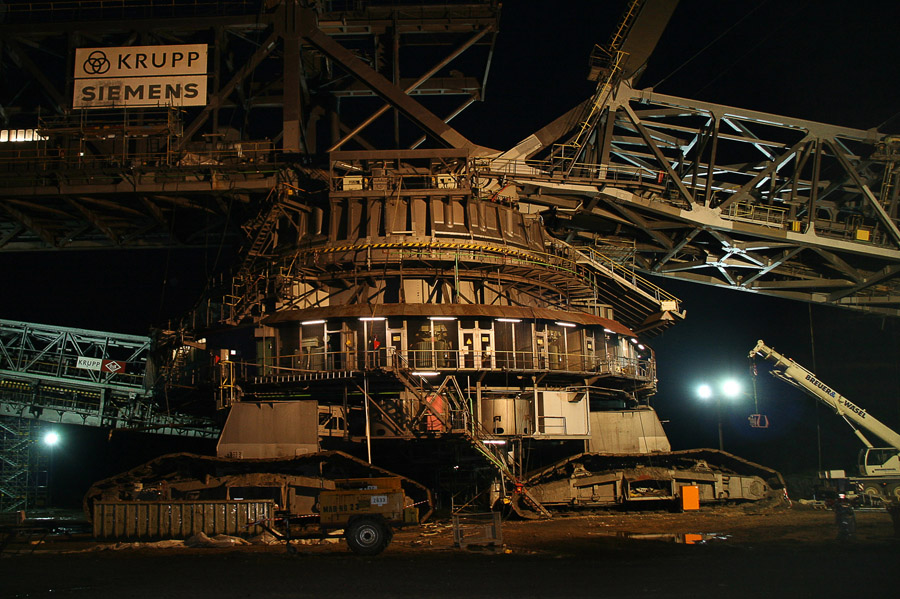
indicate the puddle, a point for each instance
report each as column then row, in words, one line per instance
column 685, row 538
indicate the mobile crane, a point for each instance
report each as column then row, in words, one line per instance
column 879, row 467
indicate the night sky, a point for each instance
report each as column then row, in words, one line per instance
column 831, row 61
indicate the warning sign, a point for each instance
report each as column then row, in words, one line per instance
column 113, row 366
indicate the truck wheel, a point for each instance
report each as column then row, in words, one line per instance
column 894, row 492
column 872, row 490
column 367, row 536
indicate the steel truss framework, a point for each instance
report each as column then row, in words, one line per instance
column 41, row 378
column 24, row 481
column 732, row 197
column 285, row 82
column 701, row 192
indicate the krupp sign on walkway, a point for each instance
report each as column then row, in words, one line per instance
column 100, row 365
column 145, row 76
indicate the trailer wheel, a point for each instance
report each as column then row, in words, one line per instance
column 367, row 536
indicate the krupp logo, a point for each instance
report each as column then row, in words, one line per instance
column 96, row 63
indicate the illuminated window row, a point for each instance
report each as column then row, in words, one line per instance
column 17, row 135
column 440, row 343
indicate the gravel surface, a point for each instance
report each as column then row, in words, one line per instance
column 776, row 552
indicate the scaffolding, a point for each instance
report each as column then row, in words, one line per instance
column 24, row 465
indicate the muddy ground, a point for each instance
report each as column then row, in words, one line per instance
column 773, row 552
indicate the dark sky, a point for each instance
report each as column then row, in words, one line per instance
column 826, row 60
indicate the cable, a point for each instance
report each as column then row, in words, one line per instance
column 812, row 347
column 162, row 295
column 889, row 119
column 759, row 41
column 707, row 46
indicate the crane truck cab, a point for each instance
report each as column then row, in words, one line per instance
column 879, row 461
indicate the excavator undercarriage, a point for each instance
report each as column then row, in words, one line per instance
column 601, row 480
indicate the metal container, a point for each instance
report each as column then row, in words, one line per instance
column 178, row 519
column 507, row 415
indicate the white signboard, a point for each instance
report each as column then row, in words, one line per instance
column 135, row 76
column 89, row 363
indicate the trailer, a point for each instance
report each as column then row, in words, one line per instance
column 316, row 494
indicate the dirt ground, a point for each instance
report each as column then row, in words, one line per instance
column 777, row 552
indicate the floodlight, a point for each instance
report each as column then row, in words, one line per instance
column 731, row 388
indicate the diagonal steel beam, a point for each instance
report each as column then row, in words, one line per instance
column 216, row 100
column 20, row 56
column 455, row 113
column 33, row 226
column 785, row 256
column 675, row 249
column 866, row 192
column 11, row 235
column 884, row 274
column 839, row 264
column 660, row 157
column 682, row 266
column 381, row 86
column 428, row 75
column 769, row 170
column 638, row 221
column 95, row 220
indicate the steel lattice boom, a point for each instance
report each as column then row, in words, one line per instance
column 732, row 197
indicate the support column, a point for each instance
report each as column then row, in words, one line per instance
column 292, row 139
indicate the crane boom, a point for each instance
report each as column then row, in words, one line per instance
column 799, row 376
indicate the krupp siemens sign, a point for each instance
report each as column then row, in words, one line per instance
column 140, row 76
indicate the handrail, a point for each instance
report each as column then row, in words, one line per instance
column 635, row 279
column 452, row 360
column 568, row 259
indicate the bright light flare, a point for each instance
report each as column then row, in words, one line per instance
column 704, row 391
column 51, row 438
column 731, row 388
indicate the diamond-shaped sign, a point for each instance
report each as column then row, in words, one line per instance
column 113, row 366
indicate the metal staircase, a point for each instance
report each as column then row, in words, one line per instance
column 457, row 419
column 610, row 61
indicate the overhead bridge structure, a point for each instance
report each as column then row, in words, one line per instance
column 74, row 376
